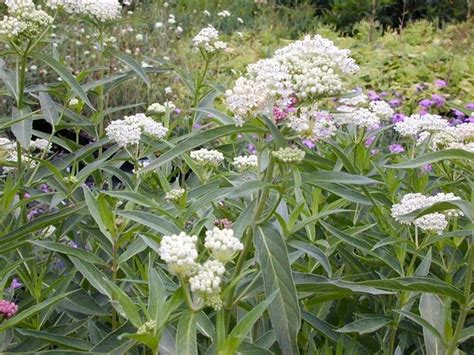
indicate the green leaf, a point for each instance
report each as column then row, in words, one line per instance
column 314, row 252
column 56, row 339
column 156, row 296
column 423, row 323
column 272, row 256
column 127, row 308
column 132, row 64
column 23, row 129
column 448, row 154
column 97, row 213
column 157, row 223
column 365, row 325
column 351, row 346
column 22, row 315
column 338, row 177
column 199, row 139
column 50, row 112
column 419, row 284
column 67, row 77
column 91, row 274
column 186, row 334
column 64, row 249
column 236, row 336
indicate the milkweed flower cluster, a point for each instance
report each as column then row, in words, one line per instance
column 175, row 194
column 8, row 309
column 222, row 244
column 208, row 40
column 8, row 151
column 23, row 19
column 432, row 222
column 312, row 124
column 179, row 252
column 161, row 108
column 311, row 67
column 243, row 163
column 100, row 10
column 356, row 111
column 205, row 280
column 128, row 131
column 205, row 157
column 437, row 132
column 289, row 155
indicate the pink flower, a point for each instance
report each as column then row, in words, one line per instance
column 8, row 309
column 427, row 167
column 440, row 83
column 309, row 143
column 369, row 141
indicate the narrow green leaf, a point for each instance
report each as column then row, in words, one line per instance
column 127, row 308
column 433, row 157
column 338, row 177
column 64, row 249
column 186, row 334
column 365, row 325
column 91, row 274
column 132, row 64
column 56, row 339
column 50, row 112
column 314, row 252
column 157, row 223
column 64, row 73
column 23, row 129
column 272, row 256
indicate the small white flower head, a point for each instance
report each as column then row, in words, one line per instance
column 360, row 117
column 312, row 124
column 175, row 195
column 289, row 155
column 168, row 90
column 24, row 19
column 356, row 100
column 147, row 328
column 129, row 130
column 243, row 163
column 208, row 40
column 222, row 244
column 158, row 25
column 156, row 108
column 100, row 10
column 73, row 102
column 432, row 223
column 381, row 109
column 205, row 157
column 208, row 277
column 206, row 13
column 179, row 252
column 224, row 13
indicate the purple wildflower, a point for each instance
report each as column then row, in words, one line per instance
column 440, row 83
column 309, row 143
column 373, row 96
column 368, row 142
column 425, row 103
column 396, row 148
column 458, row 114
column 251, row 148
column 15, row 284
column 398, row 117
column 427, row 167
column 438, row 100
column 470, row 106
column 394, row 103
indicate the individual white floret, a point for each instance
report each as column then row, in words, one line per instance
column 179, row 252
column 222, row 244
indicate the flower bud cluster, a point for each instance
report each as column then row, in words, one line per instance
column 312, row 67
column 128, row 131
column 289, row 155
column 100, row 10
column 312, row 124
column 205, row 157
column 222, row 244
column 175, row 195
column 208, row 40
column 432, row 222
column 161, row 108
column 8, row 309
column 179, row 252
column 24, row 19
column 243, row 163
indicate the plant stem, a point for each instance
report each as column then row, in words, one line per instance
column 464, row 307
column 114, row 280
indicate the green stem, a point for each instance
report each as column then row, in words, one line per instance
column 114, row 280
column 464, row 307
column 187, row 295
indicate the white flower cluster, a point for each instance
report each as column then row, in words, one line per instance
column 24, row 19
column 289, row 155
column 208, row 277
column 100, row 10
column 208, row 39
column 179, row 252
column 222, row 244
column 432, row 222
column 243, row 163
column 368, row 117
column 40, row 144
column 207, row 157
column 381, row 109
column 437, row 132
column 312, row 124
column 159, row 108
column 311, row 67
column 356, row 100
column 129, row 130
column 8, row 151
column 175, row 194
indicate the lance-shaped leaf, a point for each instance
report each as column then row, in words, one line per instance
column 23, row 128
column 50, row 111
column 448, row 154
